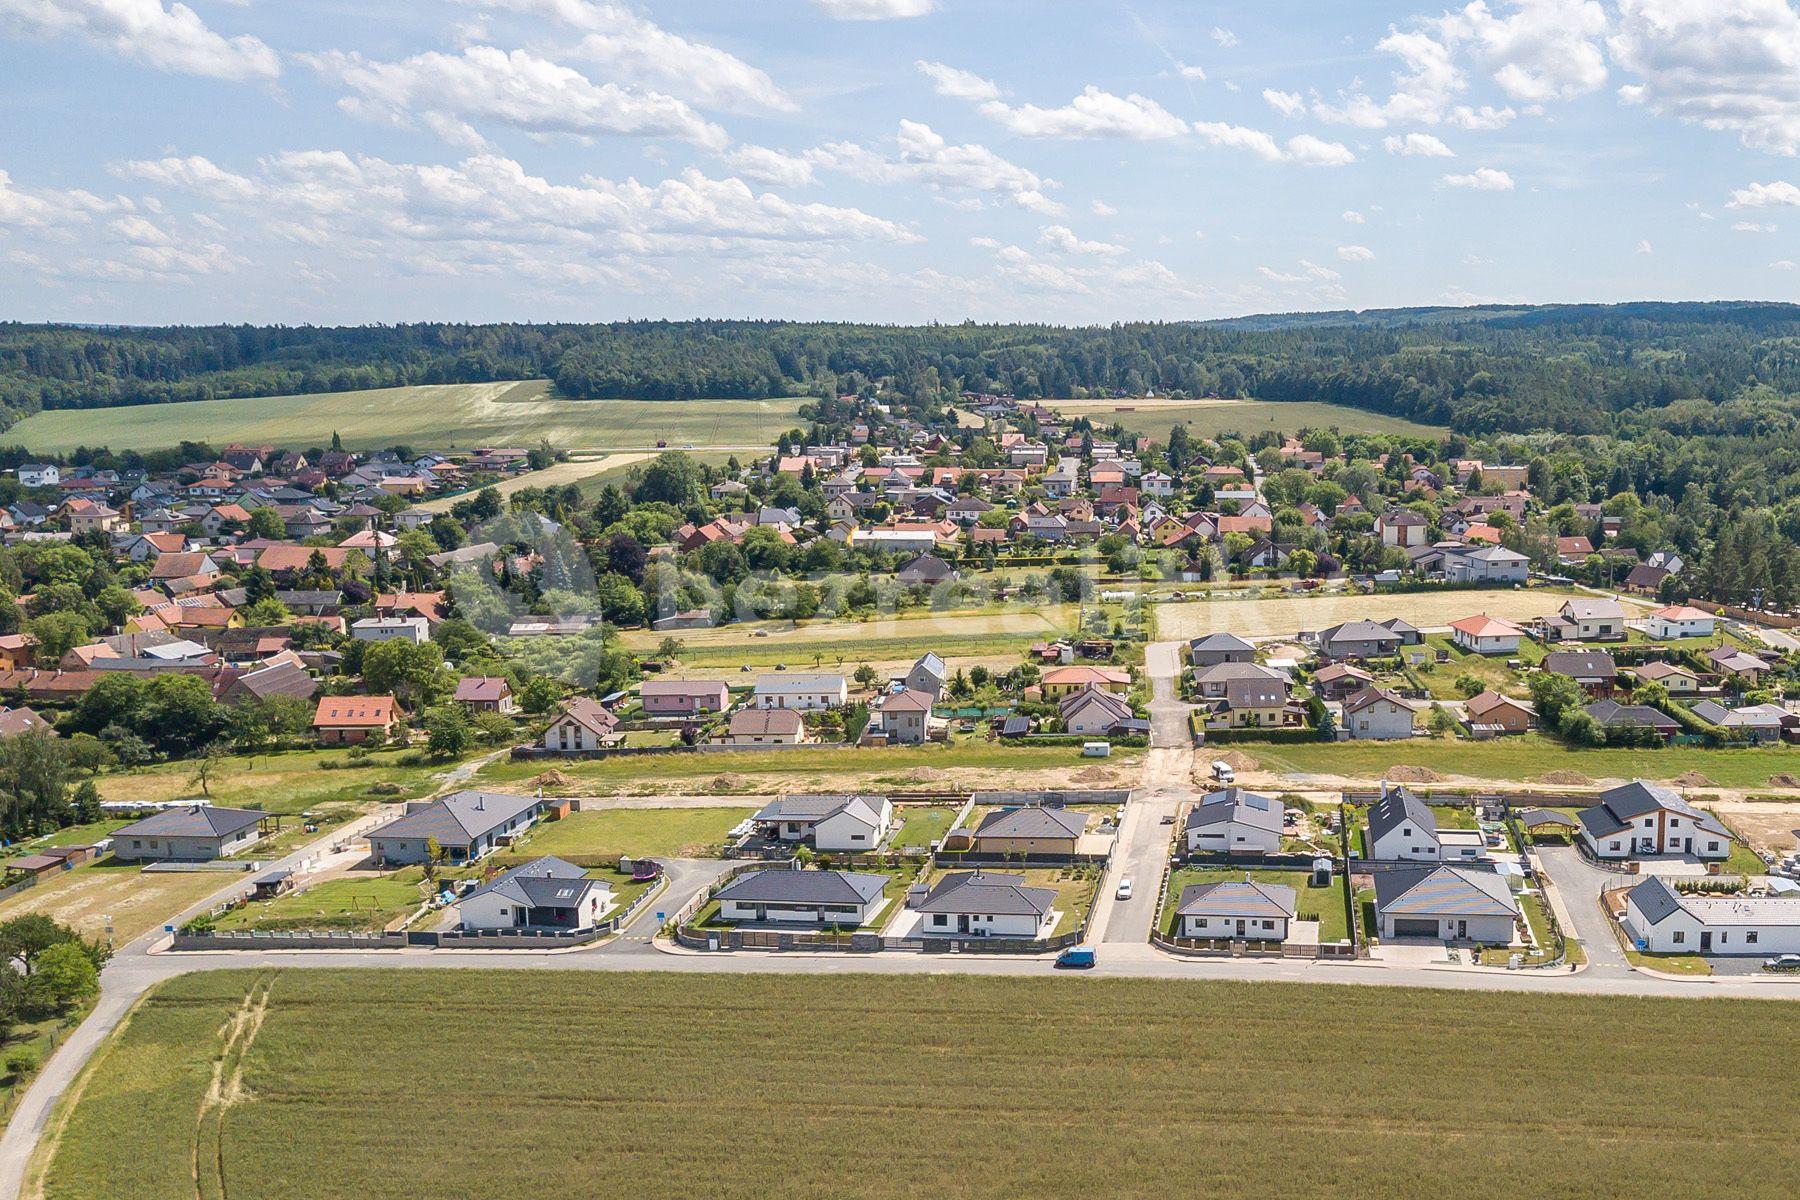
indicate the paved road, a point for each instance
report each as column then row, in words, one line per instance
column 1580, row 884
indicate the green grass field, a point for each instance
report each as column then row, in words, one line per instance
column 1209, row 418
column 326, row 1084
column 439, row 417
column 922, row 825
column 363, row 902
column 1527, row 758
column 678, row 832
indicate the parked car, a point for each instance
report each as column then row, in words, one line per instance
column 1782, row 962
column 1124, row 890
column 1075, row 958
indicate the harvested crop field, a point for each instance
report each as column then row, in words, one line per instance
column 1290, row 614
column 1209, row 418
column 324, row 1084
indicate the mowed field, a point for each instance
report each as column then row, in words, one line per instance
column 1210, row 418
column 849, row 642
column 323, row 1084
column 1291, row 614
column 578, row 471
column 440, row 417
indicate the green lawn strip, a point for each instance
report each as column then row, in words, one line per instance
column 1452, row 816
column 69, row 835
column 364, row 903
column 1670, row 964
column 1527, row 758
column 1322, row 904
column 922, row 824
column 647, row 832
column 673, row 1082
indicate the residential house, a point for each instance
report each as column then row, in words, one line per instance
column 1492, row 713
column 928, row 674
column 1234, row 821
column 986, row 904
column 351, row 720
column 1358, row 640
column 1376, row 713
column 1594, row 670
column 1573, row 551
column 1482, row 634
column 1216, row 648
column 1403, row 528
column 463, row 826
column 683, row 697
column 388, row 629
column 1402, row 828
column 1745, row 670
column 805, row 692
column 1638, row 820
column 1336, row 681
column 1594, row 620
column 1065, row 681
column 1614, row 716
column 765, row 727
column 485, row 693
column 904, row 718
column 1485, row 564
column 1452, row 904
column 582, row 725
column 1033, row 830
column 1679, row 621
column 1257, row 702
column 37, row 475
column 845, row 899
column 546, row 893
column 1241, row 910
column 926, row 570
column 1758, row 724
column 828, row 822
column 1677, row 679
column 192, row 833
column 1660, row 920
column 1092, row 711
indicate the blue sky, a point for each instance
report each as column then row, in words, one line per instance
column 887, row 160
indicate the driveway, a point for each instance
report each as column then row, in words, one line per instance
column 1581, row 883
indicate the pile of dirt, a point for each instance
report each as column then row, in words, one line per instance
column 550, row 779
column 1784, row 780
column 1565, row 778
column 925, row 775
column 728, row 783
column 1237, row 760
column 1694, row 779
column 1092, row 776
column 1411, row 775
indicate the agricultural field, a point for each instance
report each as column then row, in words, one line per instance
column 1290, row 614
column 1210, row 418
column 838, row 642
column 243, row 1083
column 571, row 470
column 291, row 782
column 455, row 416
column 94, row 895
column 669, row 832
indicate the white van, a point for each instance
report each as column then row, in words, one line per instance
column 1222, row 772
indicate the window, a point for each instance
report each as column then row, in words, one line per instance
column 1680, row 936
column 1723, row 937
column 1750, row 937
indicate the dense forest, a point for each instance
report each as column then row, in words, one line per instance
column 1565, row 368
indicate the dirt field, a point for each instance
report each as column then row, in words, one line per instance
column 1209, row 418
column 573, row 470
column 1273, row 618
column 922, row 627
column 89, row 896
column 1771, row 827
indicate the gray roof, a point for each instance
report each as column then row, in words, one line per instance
column 1611, row 712
column 1358, row 631
column 1397, row 808
column 1220, row 642
column 201, row 820
column 459, row 818
column 1237, row 898
column 978, row 892
column 818, row 807
column 1230, row 672
column 1443, row 891
column 1581, row 664
column 1034, row 821
column 1655, row 899
column 1622, row 805
column 543, row 883
column 804, row 887
column 1236, row 805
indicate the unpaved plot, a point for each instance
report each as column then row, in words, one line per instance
column 1290, row 614
column 89, row 896
column 572, row 470
column 1770, row 827
column 1046, row 621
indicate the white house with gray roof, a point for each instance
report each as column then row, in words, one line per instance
column 1234, row 821
column 547, row 893
column 195, row 833
column 1660, row 920
column 986, row 904
column 804, row 692
column 1402, row 828
column 1638, row 819
column 842, row 898
column 465, row 825
column 828, row 822
column 1452, row 904
column 1239, row 909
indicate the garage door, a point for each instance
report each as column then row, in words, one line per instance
column 1403, row 927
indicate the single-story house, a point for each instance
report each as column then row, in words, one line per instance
column 1594, row 670
column 546, row 893
column 583, row 724
column 1482, row 634
column 1637, row 819
column 1496, row 713
column 465, row 825
column 683, row 697
column 1452, row 904
column 194, row 833
column 1065, row 681
column 842, row 898
column 829, row 822
column 1033, row 829
column 804, row 692
column 986, row 904
column 1613, row 715
column 485, row 693
column 1679, row 621
column 1216, row 648
column 1335, row 681
column 1359, row 639
column 1661, row 920
column 1677, row 679
column 1238, row 909
column 349, row 720
column 1234, row 821
column 764, row 727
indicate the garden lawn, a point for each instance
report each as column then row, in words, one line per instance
column 1525, row 758
column 361, row 902
column 645, row 832
column 670, row 1085
column 1322, row 904
column 922, row 824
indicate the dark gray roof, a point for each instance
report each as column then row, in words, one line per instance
column 547, row 882
column 1397, row 808
column 1235, row 804
column 1358, row 631
column 1540, row 817
column 1655, row 899
column 1443, row 891
column 201, row 820
column 1237, row 898
column 1622, row 805
column 1219, row 641
column 459, row 818
column 1581, row 664
column 1033, row 821
column 804, row 887
column 817, row 808
column 1611, row 712
column 977, row 892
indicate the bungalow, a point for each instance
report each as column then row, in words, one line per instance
column 1335, row 681
column 829, row 822
column 845, row 899
column 1065, row 681
column 1573, row 551
column 1614, row 716
column 1216, row 648
column 1486, row 564
column 1034, row 829
column 1212, row 682
column 1402, row 828
column 1375, row 713
column 1482, row 634
column 463, row 825
column 196, row 833
column 1744, row 669
column 985, row 904
column 1092, row 711
column 546, row 893
column 1492, row 712
column 1660, row 920
column 1234, row 821
column 1238, row 909
column 1358, row 640
column 802, row 692
column 927, row 570
column 350, row 720
column 388, row 629
column 1679, row 621
column 582, row 725
column 1759, row 724
column 1594, row 670
column 1452, row 904
column 1638, row 819
column 765, row 727
column 1679, row 680
column 1594, row 620
column 485, row 693
column 683, row 697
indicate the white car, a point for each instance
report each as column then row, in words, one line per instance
column 1124, row 890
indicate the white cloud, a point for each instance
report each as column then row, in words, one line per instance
column 172, row 39
column 1275, row 276
column 1224, row 37
column 447, row 92
column 1783, row 264
column 1727, row 65
column 1356, row 254
column 1423, row 88
column 1353, row 217
column 1753, row 227
column 1101, row 208
column 1644, row 247
column 1417, row 145
column 875, row 10
column 1305, row 149
column 763, row 165
column 635, row 48
column 959, row 84
column 1482, row 179
column 1061, row 237
column 1777, row 194
column 1092, row 114
column 1186, row 71
column 1288, row 104
column 45, row 209
column 193, row 173
column 138, row 231
column 1543, row 50
column 926, row 158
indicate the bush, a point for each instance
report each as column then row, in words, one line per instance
column 21, row 1061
